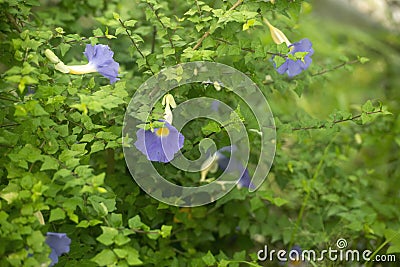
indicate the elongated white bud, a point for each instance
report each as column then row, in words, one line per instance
column 169, row 102
column 60, row 66
column 51, row 56
column 277, row 35
column 39, row 216
column 81, row 69
column 209, row 165
column 168, row 117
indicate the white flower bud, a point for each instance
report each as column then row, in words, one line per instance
column 60, row 66
column 51, row 56
column 277, row 36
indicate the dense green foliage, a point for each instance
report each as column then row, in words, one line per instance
column 335, row 173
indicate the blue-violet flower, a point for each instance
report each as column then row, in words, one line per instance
column 235, row 167
column 295, row 67
column 161, row 144
column 220, row 161
column 101, row 60
column 59, row 244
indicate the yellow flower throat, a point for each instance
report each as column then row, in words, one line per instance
column 163, row 131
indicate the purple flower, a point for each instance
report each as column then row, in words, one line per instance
column 59, row 244
column 161, row 144
column 100, row 60
column 236, row 167
column 295, row 67
column 102, row 57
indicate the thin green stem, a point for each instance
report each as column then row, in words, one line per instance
column 308, row 193
column 9, row 125
column 135, row 45
column 322, row 126
column 249, row 49
column 165, row 28
column 207, row 33
column 387, row 241
column 336, row 67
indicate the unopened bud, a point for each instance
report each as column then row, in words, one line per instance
column 168, row 100
column 60, row 66
column 276, row 34
column 51, row 56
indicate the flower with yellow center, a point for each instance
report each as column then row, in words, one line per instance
column 161, row 144
column 299, row 57
column 162, row 132
column 100, row 59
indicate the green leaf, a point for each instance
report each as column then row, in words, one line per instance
column 35, row 240
column 130, row 23
column 121, row 240
column 277, row 201
column 98, row 32
column 62, row 130
column 278, row 60
column 56, row 214
column 165, row 231
column 105, row 258
column 367, row 107
column 133, row 257
column 116, row 16
column 223, row 263
column 209, row 259
column 116, row 220
column 120, row 30
column 108, row 235
column 121, row 253
column 97, row 146
column 64, row 48
column 135, row 223
column 365, row 118
column 87, row 138
column 168, row 51
column 211, row 127
column 49, row 163
column 248, row 24
column 394, row 237
column 363, row 60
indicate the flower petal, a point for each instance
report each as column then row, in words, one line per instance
column 294, row 67
column 283, row 68
column 59, row 244
column 236, row 167
column 101, row 57
column 304, row 45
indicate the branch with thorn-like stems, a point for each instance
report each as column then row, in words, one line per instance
column 165, row 28
column 323, row 126
column 336, row 67
column 207, row 33
column 135, row 45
